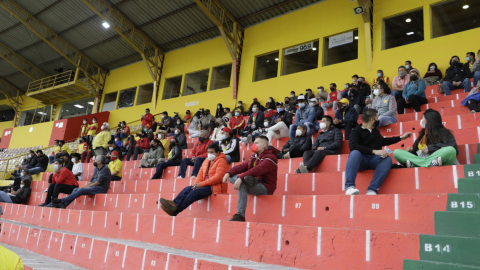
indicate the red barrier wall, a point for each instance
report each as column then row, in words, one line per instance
column 7, row 135
column 69, row 129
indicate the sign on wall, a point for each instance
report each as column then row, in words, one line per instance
column 341, row 39
column 299, row 48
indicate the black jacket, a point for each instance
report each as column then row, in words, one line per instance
column 176, row 154
column 22, row 195
column 33, row 161
column 351, row 116
column 432, row 147
column 42, row 161
column 331, row 139
column 318, row 112
column 458, row 76
column 303, row 143
column 363, row 140
column 468, row 72
column 182, row 140
column 232, row 148
column 356, row 99
column 285, row 116
column 365, row 90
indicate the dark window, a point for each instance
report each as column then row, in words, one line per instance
column 172, row 87
column 195, row 83
column 145, row 94
column 340, row 48
column 127, row 98
column 109, row 101
column 221, row 77
column 403, row 29
column 300, row 58
column 77, row 108
column 266, row 66
column 451, row 17
column 35, row 116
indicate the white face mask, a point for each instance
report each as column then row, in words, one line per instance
column 178, row 122
column 159, row 136
column 407, row 66
column 23, row 174
column 270, row 100
column 298, row 133
column 218, row 107
column 21, row 186
column 211, row 157
column 323, row 125
column 84, row 122
column 320, row 91
column 176, row 132
column 94, row 121
column 73, row 160
column 376, row 92
column 432, row 67
column 379, row 75
column 110, row 148
column 265, row 124
column 237, row 113
column 253, row 126
column 163, row 116
column 239, row 104
column 55, row 166
column 422, row 124
column 311, row 104
column 254, row 109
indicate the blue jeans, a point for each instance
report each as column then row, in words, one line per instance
column 35, row 170
column 52, row 159
column 83, row 191
column 121, row 136
column 359, row 162
column 188, row 162
column 396, row 94
column 310, row 129
column 466, row 84
column 162, row 166
column 4, row 197
column 386, row 120
column 188, row 196
column 229, row 159
column 476, row 78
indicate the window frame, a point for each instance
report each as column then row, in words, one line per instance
column 184, row 80
column 134, row 98
column 211, row 76
column 255, row 64
column 137, row 96
column 180, row 94
column 103, row 101
column 400, row 14
column 339, row 33
column 282, row 58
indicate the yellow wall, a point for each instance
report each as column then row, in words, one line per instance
column 4, row 125
column 40, row 135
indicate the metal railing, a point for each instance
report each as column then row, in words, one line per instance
column 52, row 81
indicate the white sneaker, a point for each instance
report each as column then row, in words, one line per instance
column 46, row 190
column 286, row 156
column 371, row 192
column 179, row 177
column 410, row 164
column 436, row 162
column 352, row 191
column 473, row 111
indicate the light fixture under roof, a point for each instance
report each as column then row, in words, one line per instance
column 408, row 20
column 91, row 102
column 356, row 37
column 78, row 106
column 105, row 24
column 410, row 33
column 276, row 59
column 314, row 49
column 466, row 6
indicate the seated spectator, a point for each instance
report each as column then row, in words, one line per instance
column 100, row 142
column 363, row 87
column 456, row 76
column 304, row 115
column 181, row 138
column 270, row 104
column 219, row 112
column 147, row 120
column 166, row 122
column 322, row 95
column 355, row 79
column 296, row 146
column 381, row 77
column 20, row 196
column 83, row 149
column 130, row 143
column 333, row 98
column 99, row 184
column 346, row 90
column 188, row 117
column 259, row 106
column 413, row 94
column 279, row 126
column 155, row 156
column 67, row 161
column 230, row 146
column 199, row 154
column 113, row 147
column 269, row 112
column 355, row 98
column 124, row 131
column 28, row 158
column 433, row 75
column 366, row 153
column 63, row 181
column 476, row 69
column 217, row 133
column 162, row 136
column 78, row 167
column 399, row 82
column 256, row 176
column 195, row 124
column 472, row 101
column 208, row 182
column 239, row 107
column 41, row 163
column 227, row 115
column 142, row 146
column 115, row 165
column 55, row 151
column 15, row 185
column 346, row 117
column 385, row 105
column 118, row 143
column 262, row 130
column 255, row 121
column 318, row 109
column 293, row 99
column 328, row 142
column 237, row 123
column 408, row 66
column 469, row 65
column 206, row 119
column 174, row 159
column 435, row 145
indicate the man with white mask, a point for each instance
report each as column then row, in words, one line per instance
column 296, row 146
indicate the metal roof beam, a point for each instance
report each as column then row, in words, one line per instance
column 21, row 63
column 10, row 92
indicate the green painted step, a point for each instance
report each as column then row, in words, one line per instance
column 476, row 158
column 457, row 224
column 469, row 185
column 428, row 265
column 463, row 202
column 450, row 249
column 471, row 171
column 478, row 147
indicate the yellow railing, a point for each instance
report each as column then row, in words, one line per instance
column 52, row 81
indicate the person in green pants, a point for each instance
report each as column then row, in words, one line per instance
column 435, row 145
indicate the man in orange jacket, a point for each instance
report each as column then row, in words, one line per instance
column 208, row 182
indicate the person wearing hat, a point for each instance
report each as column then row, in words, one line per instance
column 356, row 99
column 147, row 120
column 305, row 115
column 113, row 147
column 115, row 165
column 100, row 142
column 346, row 117
column 63, row 181
column 281, row 121
column 296, row 146
column 333, row 98
column 322, row 95
column 318, row 109
column 237, row 123
column 230, row 145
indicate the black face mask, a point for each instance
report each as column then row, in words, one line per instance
column 343, row 108
column 332, row 89
column 95, row 164
column 455, row 63
column 286, row 101
column 352, row 91
column 201, row 139
column 376, row 123
column 172, row 144
column 359, row 83
column 413, row 78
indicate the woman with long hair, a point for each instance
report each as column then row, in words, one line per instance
column 435, row 145
column 20, row 196
column 219, row 112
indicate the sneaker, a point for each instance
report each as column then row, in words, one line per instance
column 179, row 177
column 42, row 205
column 410, row 164
column 473, row 111
column 436, row 162
column 49, row 205
column 244, row 139
column 371, row 192
column 352, row 191
column 249, row 139
column 59, row 205
column 168, row 204
column 193, row 176
column 250, row 181
column 303, row 169
column 286, row 156
column 297, row 171
column 168, row 211
column 56, row 201
column 46, row 190
column 237, row 217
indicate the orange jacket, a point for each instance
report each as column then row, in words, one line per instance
column 217, row 171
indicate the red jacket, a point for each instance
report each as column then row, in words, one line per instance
column 147, row 120
column 200, row 149
column 269, row 113
column 143, row 143
column 217, row 170
column 236, row 122
column 65, row 177
column 265, row 168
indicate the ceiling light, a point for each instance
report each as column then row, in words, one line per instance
column 466, row 6
column 314, row 49
column 78, row 106
column 41, row 113
column 91, row 103
column 268, row 61
column 410, row 33
column 106, row 25
column 276, row 59
column 356, row 37
column 408, row 20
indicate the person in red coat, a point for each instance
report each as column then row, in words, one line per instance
column 147, row 120
column 237, row 123
column 257, row 176
column 199, row 154
column 63, row 181
column 142, row 146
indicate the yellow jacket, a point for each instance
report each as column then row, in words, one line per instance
column 101, row 139
column 9, row 260
column 116, row 165
column 166, row 145
column 92, row 131
column 65, row 148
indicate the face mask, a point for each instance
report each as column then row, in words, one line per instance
column 323, row 125
column 279, row 110
column 253, row 126
column 332, row 89
column 94, row 121
column 346, row 87
column 84, row 122
column 298, row 133
column 359, row 83
column 352, row 91
column 287, row 101
column 413, row 78
column 159, row 136
column 353, row 80
column 113, row 158
column 468, row 59
column 292, row 95
column 376, row 92
column 178, row 122
column 201, row 139
column 95, row 164
column 239, row 104
column 379, row 75
column 343, row 108
column 401, row 73
column 455, row 63
column 176, row 114
column 301, row 105
column 176, row 132
column 422, row 124
column 218, row 107
column 55, row 166
column 254, row 109
column 117, row 139
column 254, row 148
column 110, row 148
column 21, row 186
column 211, row 157
column 237, row 113
column 376, row 123
column 432, row 67
column 163, row 116
column 73, row 160
column 265, row 124
column 31, row 155
column 320, row 91
column 172, row 144
column 270, row 100
column 147, row 112
column 23, row 174
column 79, row 141
column 224, row 137
column 311, row 104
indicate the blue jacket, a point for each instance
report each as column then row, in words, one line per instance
column 351, row 116
column 258, row 121
column 412, row 89
column 308, row 114
column 475, row 96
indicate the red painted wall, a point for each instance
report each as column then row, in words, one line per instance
column 7, row 135
column 69, row 129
